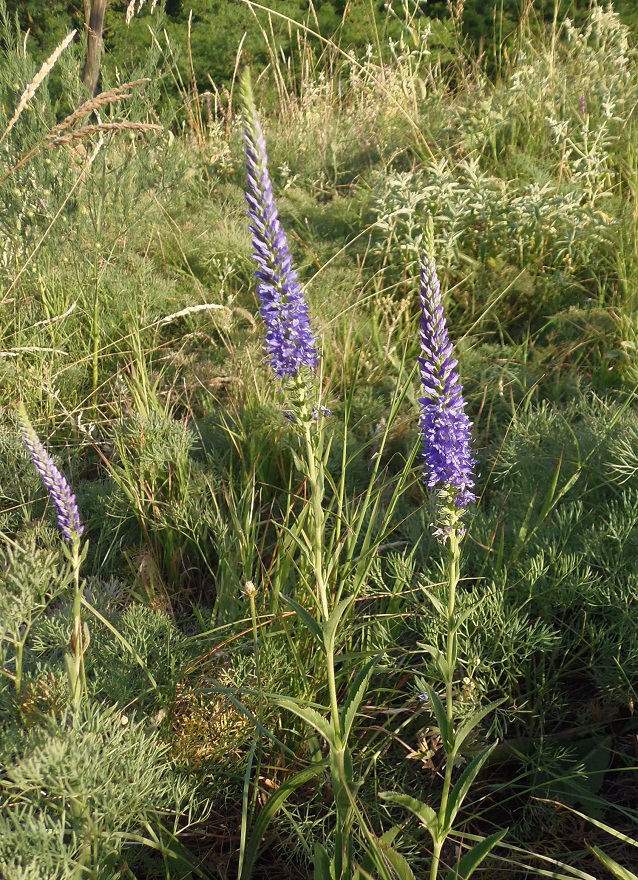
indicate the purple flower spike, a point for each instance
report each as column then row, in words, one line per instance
column 56, row 485
column 445, row 427
column 289, row 340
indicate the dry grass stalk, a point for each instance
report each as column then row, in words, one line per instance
column 120, row 93
column 101, row 129
column 15, row 352
column 130, row 9
column 37, row 81
column 112, row 96
column 47, row 321
column 190, row 310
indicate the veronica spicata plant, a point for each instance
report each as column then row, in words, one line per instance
column 446, row 434
column 68, row 518
column 293, row 356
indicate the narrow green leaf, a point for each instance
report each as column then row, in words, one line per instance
column 462, row 617
column 617, row 834
column 525, row 525
column 397, row 862
column 446, row 730
column 612, row 866
column 389, row 836
column 438, row 605
column 423, row 812
column 440, row 660
column 118, row 635
column 355, row 695
column 463, row 784
column 245, row 797
column 341, row 775
column 330, row 626
column 312, row 625
column 373, row 851
column 472, row 859
column 273, row 805
column 311, row 717
column 473, row 721
column 322, row 864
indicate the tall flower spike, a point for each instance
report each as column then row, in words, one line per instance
column 445, row 427
column 289, row 341
column 56, row 484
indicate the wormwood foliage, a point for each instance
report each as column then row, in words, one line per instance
column 68, row 801
column 260, row 657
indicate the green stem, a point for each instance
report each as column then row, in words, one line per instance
column 19, row 649
column 253, row 616
column 317, row 541
column 317, row 522
column 436, row 859
column 453, row 574
column 95, row 335
column 451, row 629
column 78, row 685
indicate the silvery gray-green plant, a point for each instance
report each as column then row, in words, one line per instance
column 69, row 805
column 29, row 582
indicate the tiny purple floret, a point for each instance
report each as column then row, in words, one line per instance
column 445, row 427
column 56, row 484
column 289, row 340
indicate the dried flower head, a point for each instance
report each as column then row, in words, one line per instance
column 289, row 341
column 249, row 589
column 56, row 484
column 445, row 427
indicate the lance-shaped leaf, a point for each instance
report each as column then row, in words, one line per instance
column 472, row 859
column 612, row 865
column 445, row 728
column 472, row 722
column 312, row 625
column 331, row 625
column 267, row 814
column 355, row 695
column 463, row 784
column 423, row 812
column 311, row 717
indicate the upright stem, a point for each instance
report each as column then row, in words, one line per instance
column 451, row 629
column 317, row 541
column 253, row 617
column 19, row 649
column 453, row 575
column 78, row 685
column 95, row 333
column 317, row 522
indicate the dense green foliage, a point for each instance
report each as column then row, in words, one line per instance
column 130, row 332
column 220, row 26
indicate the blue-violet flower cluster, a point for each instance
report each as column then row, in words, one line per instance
column 289, row 341
column 445, row 427
column 56, row 484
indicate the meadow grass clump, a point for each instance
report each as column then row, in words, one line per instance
column 278, row 593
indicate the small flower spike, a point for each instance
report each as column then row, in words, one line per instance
column 445, row 427
column 289, row 341
column 56, row 484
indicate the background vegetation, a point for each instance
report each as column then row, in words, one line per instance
column 130, row 332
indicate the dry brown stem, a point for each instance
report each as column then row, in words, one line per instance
column 120, row 93
column 102, row 128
